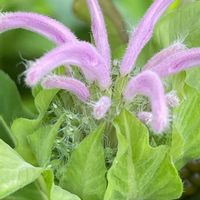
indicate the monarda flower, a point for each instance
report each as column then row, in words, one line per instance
column 95, row 64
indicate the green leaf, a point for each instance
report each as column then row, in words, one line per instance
column 43, row 100
column 42, row 142
column 85, row 172
column 15, row 173
column 22, row 128
column 54, row 192
column 30, row 192
column 193, row 78
column 186, row 122
column 140, row 171
column 60, row 194
column 5, row 133
column 11, row 105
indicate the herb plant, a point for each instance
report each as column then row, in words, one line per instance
column 112, row 129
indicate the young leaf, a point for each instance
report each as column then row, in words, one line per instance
column 186, row 122
column 85, row 173
column 132, row 11
column 15, row 173
column 42, row 142
column 140, row 171
column 54, row 192
column 21, row 127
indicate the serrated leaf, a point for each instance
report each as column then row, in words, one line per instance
column 140, row 171
column 85, row 172
column 42, row 140
column 15, row 173
column 186, row 121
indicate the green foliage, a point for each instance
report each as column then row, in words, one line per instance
column 15, row 173
column 30, row 192
column 140, row 171
column 60, row 194
column 186, row 122
column 132, row 11
column 22, row 128
column 42, row 140
column 5, row 133
column 85, row 172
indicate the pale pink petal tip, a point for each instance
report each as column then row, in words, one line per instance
column 99, row 30
column 47, row 27
column 72, row 85
column 149, row 84
column 142, row 34
column 101, row 107
column 145, row 117
column 165, row 53
column 172, row 99
column 178, row 62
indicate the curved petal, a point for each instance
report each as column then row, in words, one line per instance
column 50, row 28
column 99, row 30
column 149, row 84
column 81, row 54
column 101, row 107
column 178, row 62
column 165, row 53
column 70, row 84
column 142, row 34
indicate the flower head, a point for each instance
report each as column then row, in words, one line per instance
column 94, row 62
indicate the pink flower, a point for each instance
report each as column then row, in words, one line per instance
column 95, row 62
column 149, row 84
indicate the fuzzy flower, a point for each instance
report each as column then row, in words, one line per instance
column 94, row 62
column 149, row 84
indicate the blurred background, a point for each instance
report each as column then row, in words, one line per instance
column 19, row 46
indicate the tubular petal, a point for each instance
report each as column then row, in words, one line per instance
column 70, row 84
column 50, row 28
column 101, row 107
column 99, row 30
column 142, row 34
column 178, row 62
column 165, row 53
column 80, row 54
column 149, row 84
